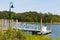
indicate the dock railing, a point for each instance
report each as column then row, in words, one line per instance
column 4, row 25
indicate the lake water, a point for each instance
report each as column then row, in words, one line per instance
column 55, row 28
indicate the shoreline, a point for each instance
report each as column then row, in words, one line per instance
column 42, row 23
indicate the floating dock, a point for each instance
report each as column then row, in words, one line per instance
column 44, row 31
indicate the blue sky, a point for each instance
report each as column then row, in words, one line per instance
column 44, row 6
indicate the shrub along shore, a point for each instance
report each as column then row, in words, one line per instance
column 11, row 35
column 21, row 35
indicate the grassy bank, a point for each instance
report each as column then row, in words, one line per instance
column 21, row 35
column 38, row 37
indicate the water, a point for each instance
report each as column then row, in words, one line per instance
column 55, row 28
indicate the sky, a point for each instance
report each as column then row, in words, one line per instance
column 43, row 6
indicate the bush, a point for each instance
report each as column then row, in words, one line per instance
column 11, row 35
column 38, row 37
column 21, row 35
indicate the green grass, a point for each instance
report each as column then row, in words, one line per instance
column 37, row 37
column 21, row 35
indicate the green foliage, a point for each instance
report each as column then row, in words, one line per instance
column 30, row 16
column 56, row 39
column 11, row 35
column 37, row 37
column 21, row 35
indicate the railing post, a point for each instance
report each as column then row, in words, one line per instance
column 51, row 25
column 0, row 24
column 16, row 25
column 41, row 25
column 12, row 24
column 5, row 23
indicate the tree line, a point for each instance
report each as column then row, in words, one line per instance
column 30, row 16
